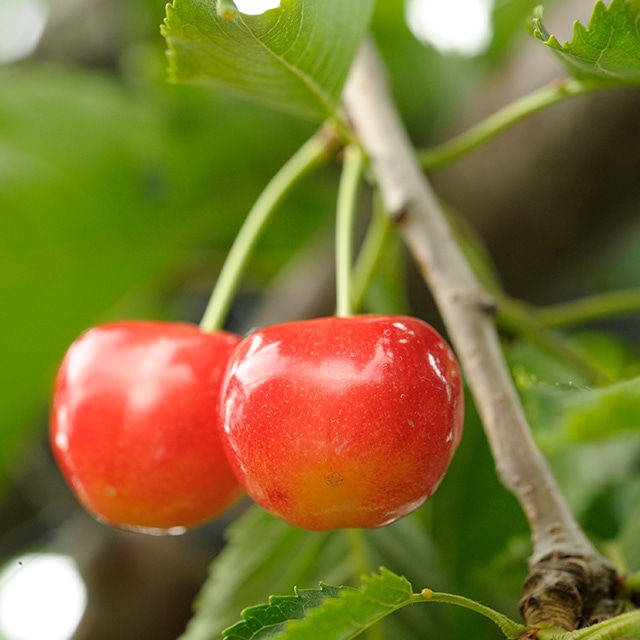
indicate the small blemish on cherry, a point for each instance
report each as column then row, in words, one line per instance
column 333, row 479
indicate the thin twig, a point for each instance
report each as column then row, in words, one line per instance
column 594, row 308
column 469, row 315
column 558, row 91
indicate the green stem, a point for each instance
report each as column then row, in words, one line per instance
column 591, row 309
column 624, row 625
column 378, row 234
column 316, row 150
column 520, row 319
column 346, row 213
column 632, row 582
column 508, row 627
column 437, row 157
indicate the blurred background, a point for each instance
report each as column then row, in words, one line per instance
column 121, row 193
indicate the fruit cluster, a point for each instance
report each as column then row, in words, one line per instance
column 326, row 423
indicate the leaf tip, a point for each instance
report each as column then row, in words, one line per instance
column 537, row 12
column 535, row 25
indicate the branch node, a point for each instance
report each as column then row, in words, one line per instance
column 474, row 299
column 488, row 304
column 400, row 216
column 569, row 591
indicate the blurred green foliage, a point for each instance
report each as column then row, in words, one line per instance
column 111, row 193
column 119, row 191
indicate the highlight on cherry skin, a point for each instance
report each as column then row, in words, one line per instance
column 342, row 422
column 134, row 425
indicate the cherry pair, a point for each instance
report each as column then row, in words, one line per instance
column 327, row 423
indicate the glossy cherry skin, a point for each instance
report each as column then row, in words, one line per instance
column 134, row 424
column 342, row 422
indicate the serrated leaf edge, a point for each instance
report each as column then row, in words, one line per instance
column 540, row 32
column 300, row 599
column 329, row 597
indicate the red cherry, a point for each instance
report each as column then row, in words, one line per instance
column 342, row 422
column 134, row 424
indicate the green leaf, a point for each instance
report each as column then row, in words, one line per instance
column 580, row 415
column 409, row 550
column 601, row 413
column 85, row 188
column 331, row 612
column 110, row 199
column 342, row 613
column 355, row 610
column 268, row 620
column 590, row 435
column 607, row 50
column 294, row 58
column 265, row 555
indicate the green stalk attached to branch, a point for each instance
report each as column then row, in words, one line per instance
column 596, row 308
column 439, row 156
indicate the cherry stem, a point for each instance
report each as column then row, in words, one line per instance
column 314, row 152
column 345, row 221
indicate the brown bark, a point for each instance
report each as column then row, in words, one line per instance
column 563, row 560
